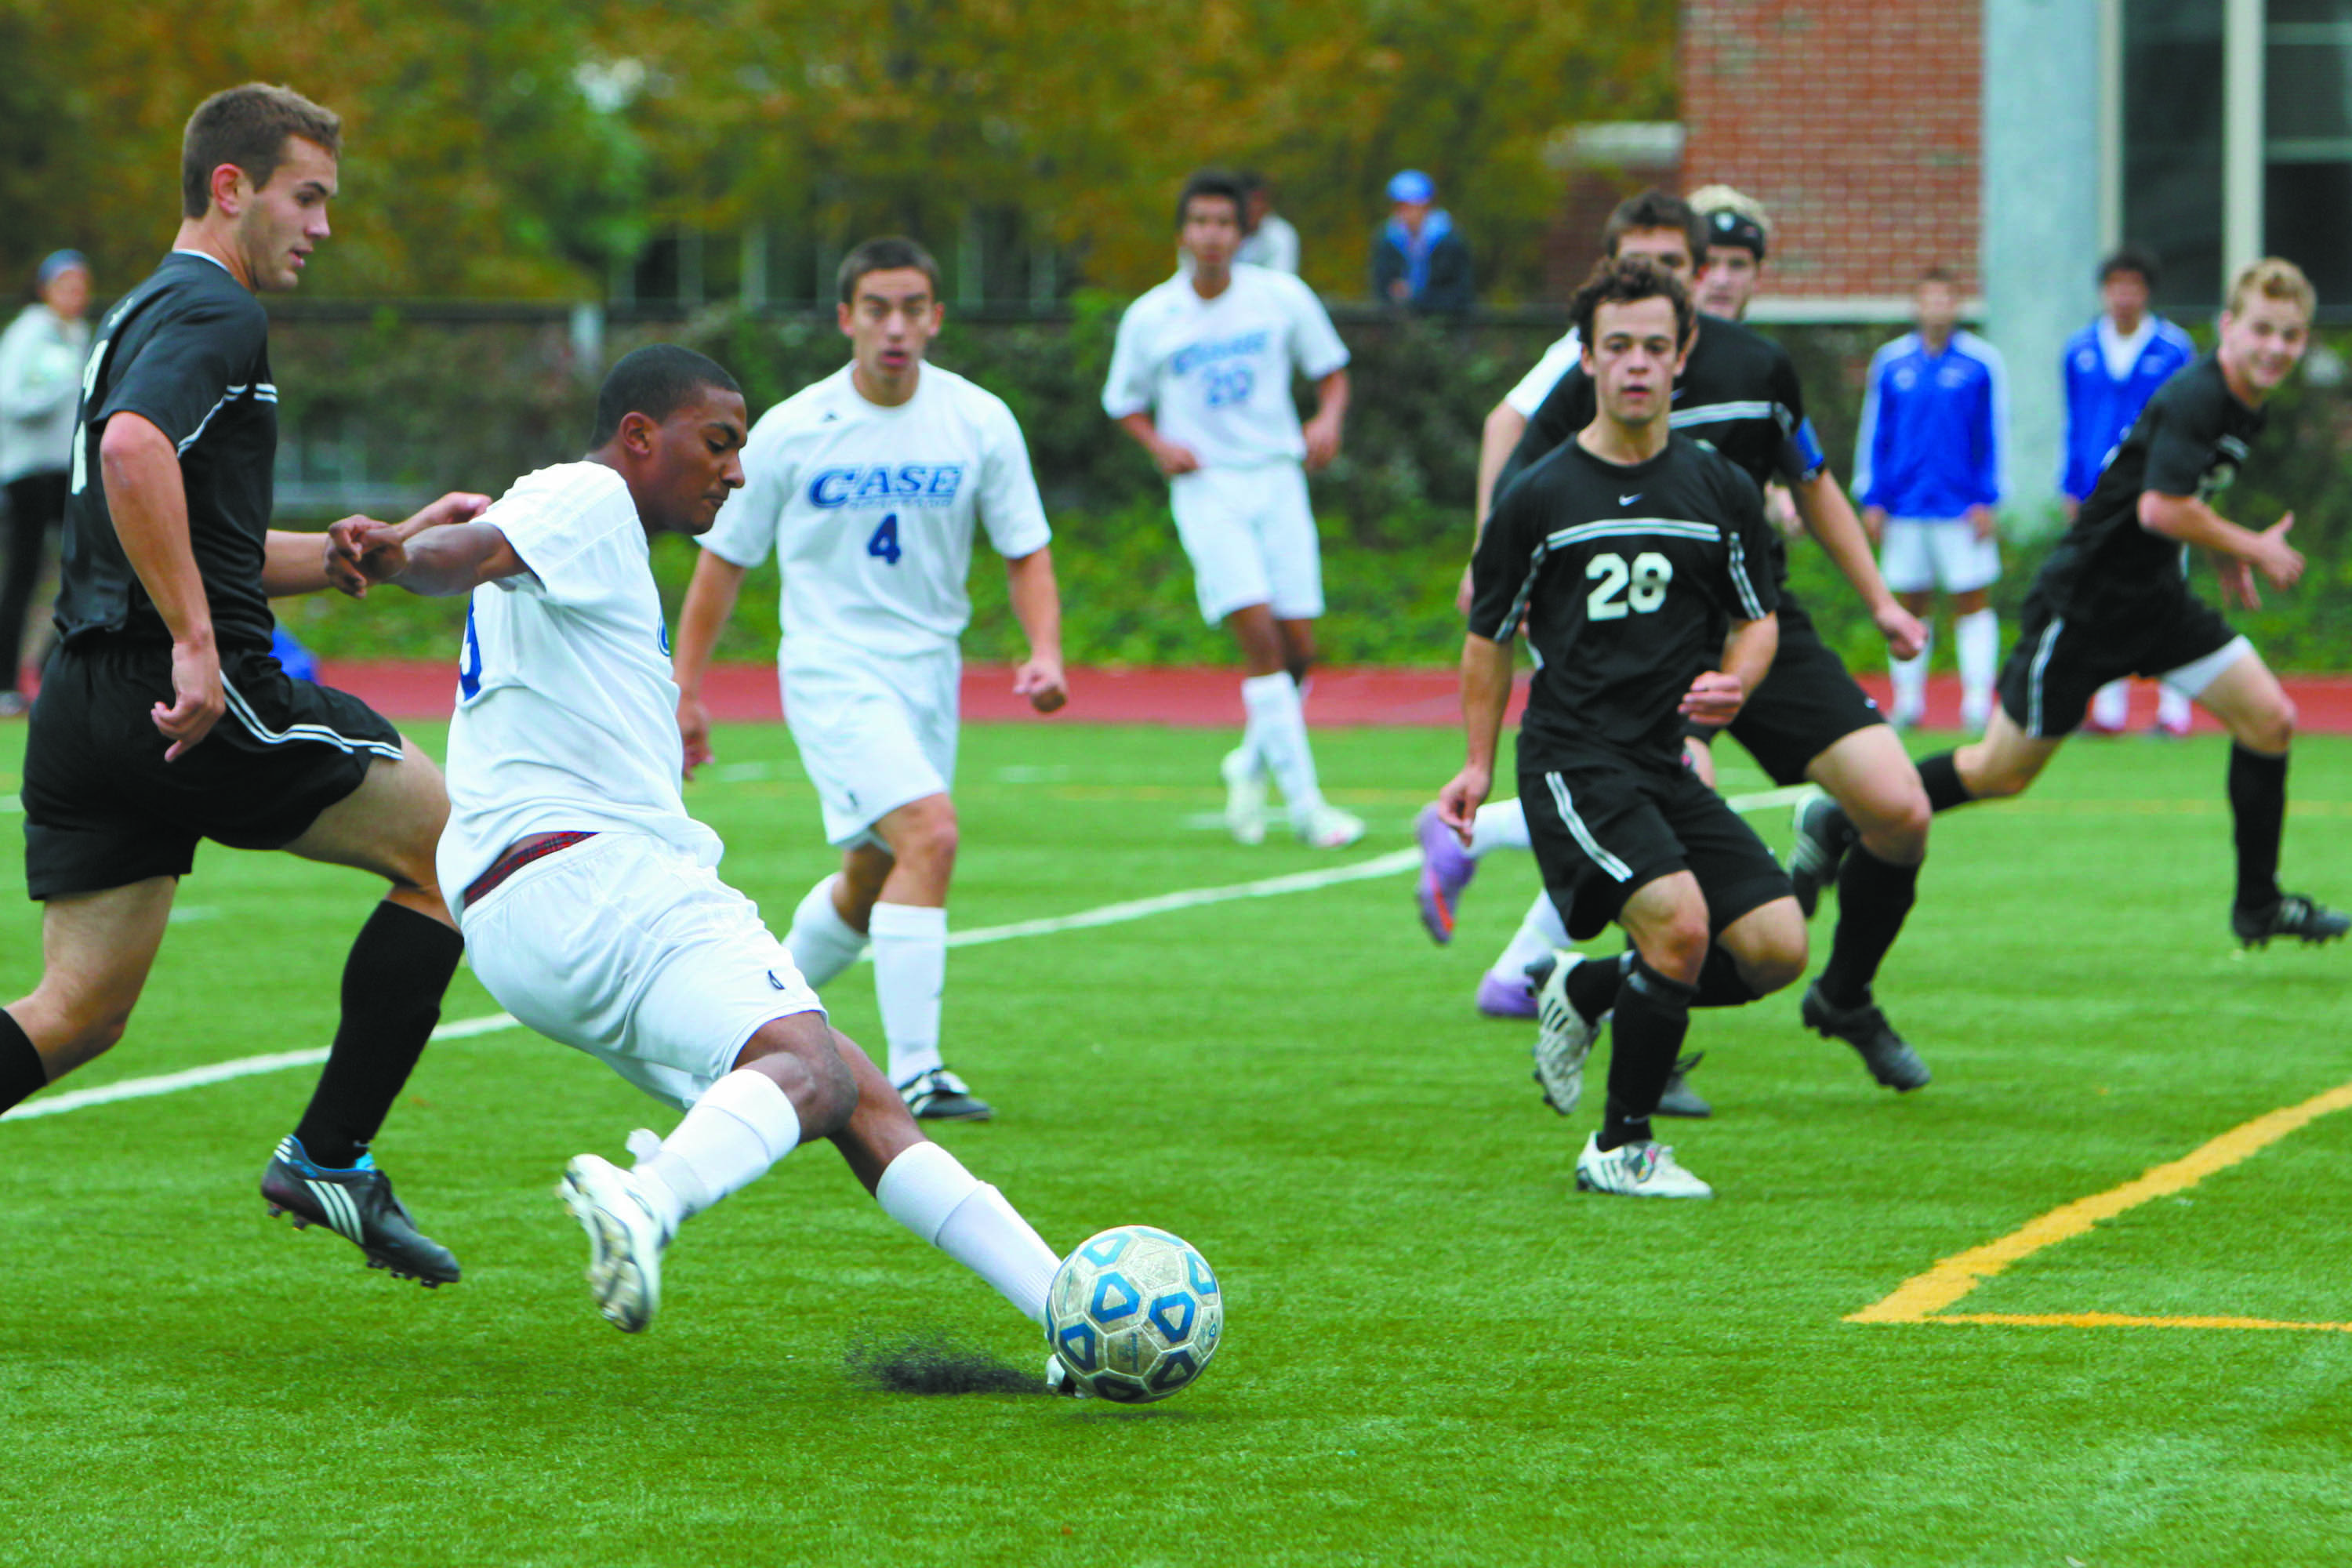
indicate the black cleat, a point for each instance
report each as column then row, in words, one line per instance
column 2293, row 915
column 1678, row 1100
column 357, row 1205
column 1823, row 835
column 940, row 1096
column 1890, row 1061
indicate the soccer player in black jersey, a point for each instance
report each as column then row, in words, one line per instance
column 2114, row 600
column 162, row 717
column 1625, row 555
column 1739, row 391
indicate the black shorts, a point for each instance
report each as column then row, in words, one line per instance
column 1603, row 827
column 2048, row 679
column 1807, row 704
column 103, row 809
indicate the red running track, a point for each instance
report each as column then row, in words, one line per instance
column 1211, row 699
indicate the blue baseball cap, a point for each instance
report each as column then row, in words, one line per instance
column 1413, row 185
column 58, row 261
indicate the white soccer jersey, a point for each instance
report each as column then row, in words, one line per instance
column 1536, row 385
column 871, row 511
column 567, row 716
column 1215, row 373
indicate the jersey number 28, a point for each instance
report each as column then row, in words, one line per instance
column 1644, row 584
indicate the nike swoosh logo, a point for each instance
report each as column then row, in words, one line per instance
column 773, row 980
column 1629, row 501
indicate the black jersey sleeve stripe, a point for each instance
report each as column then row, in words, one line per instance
column 1512, row 622
column 1748, row 597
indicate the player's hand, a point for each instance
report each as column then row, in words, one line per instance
column 458, row 505
column 197, row 700
column 1174, row 459
column 1780, row 510
column 1322, row 435
column 1984, row 523
column 1905, row 637
column 1040, row 679
column 2274, row 558
column 1462, row 594
column 694, row 729
column 360, row 552
column 1458, row 802
column 1714, row 698
column 1873, row 523
column 2237, row 581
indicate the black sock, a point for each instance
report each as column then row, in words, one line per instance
column 1874, row 895
column 2258, row 801
column 22, row 1071
column 1719, row 984
column 392, row 983
column 1592, row 985
column 1941, row 774
column 1653, row 1017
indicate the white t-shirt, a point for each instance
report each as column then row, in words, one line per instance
column 1215, row 373
column 871, row 511
column 567, row 716
column 1536, row 385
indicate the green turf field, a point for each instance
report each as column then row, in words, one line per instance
column 1436, row 1351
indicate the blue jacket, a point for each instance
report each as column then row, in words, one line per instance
column 1932, row 429
column 2100, row 409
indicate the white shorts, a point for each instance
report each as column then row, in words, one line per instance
column 1251, row 537
column 630, row 950
column 1921, row 553
column 873, row 738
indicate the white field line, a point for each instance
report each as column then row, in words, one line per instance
column 1379, row 866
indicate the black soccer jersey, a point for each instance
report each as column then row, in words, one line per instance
column 1624, row 577
column 188, row 351
column 2188, row 441
column 1738, row 394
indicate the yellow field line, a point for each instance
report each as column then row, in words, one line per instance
column 1918, row 1298
column 2119, row 1320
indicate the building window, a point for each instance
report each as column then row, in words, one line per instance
column 2172, row 91
column 2307, row 139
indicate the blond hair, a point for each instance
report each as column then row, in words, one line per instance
column 2273, row 278
column 1724, row 198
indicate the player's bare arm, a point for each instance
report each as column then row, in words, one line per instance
column 1486, row 693
column 144, row 494
column 1323, row 432
column 1500, row 437
column 709, row 600
column 1172, row 458
column 2192, row 521
column 456, row 558
column 306, row 562
column 1037, row 605
column 1828, row 516
column 1717, row 695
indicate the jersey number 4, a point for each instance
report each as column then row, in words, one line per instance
column 1643, row 584
column 883, row 545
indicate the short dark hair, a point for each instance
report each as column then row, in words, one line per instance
column 1654, row 209
column 655, row 381
column 2130, row 259
column 1623, row 280
column 1213, row 182
column 248, row 126
column 887, row 254
column 1937, row 275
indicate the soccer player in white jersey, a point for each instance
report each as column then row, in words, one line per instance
column 592, row 909
column 1200, row 378
column 868, row 487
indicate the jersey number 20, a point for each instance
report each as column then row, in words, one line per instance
column 883, row 545
column 1644, row 584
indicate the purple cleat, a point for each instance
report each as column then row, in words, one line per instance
column 1445, row 870
column 1501, row 997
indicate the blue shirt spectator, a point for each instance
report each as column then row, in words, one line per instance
column 1934, row 416
column 1419, row 258
column 2113, row 367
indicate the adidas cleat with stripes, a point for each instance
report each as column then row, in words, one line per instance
column 1564, row 1039
column 2294, row 915
column 358, row 1205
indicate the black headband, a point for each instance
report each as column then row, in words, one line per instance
column 1725, row 226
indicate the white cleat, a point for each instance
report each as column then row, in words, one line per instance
column 1329, row 828
column 1563, row 1039
column 1244, row 798
column 1059, row 1380
column 1641, row 1170
column 624, row 1240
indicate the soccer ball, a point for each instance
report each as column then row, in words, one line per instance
column 1134, row 1313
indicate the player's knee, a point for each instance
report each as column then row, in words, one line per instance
column 1894, row 826
column 1776, row 962
column 931, row 839
column 2271, row 727
column 1677, row 948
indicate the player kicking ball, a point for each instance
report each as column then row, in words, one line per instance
column 1623, row 553
column 868, row 487
column 591, row 906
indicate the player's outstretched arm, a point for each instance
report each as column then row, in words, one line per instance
column 1497, row 441
column 1037, row 605
column 710, row 600
column 1829, row 517
column 455, row 559
column 1486, row 693
column 305, row 563
column 140, row 467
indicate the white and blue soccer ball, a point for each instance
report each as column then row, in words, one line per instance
column 1134, row 1314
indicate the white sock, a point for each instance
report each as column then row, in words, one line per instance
column 927, row 1190
column 2171, row 708
column 910, row 971
column 2111, row 704
column 1277, row 728
column 1539, row 932
column 742, row 1124
column 822, row 943
column 1499, row 825
column 1978, row 637
column 1911, row 679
